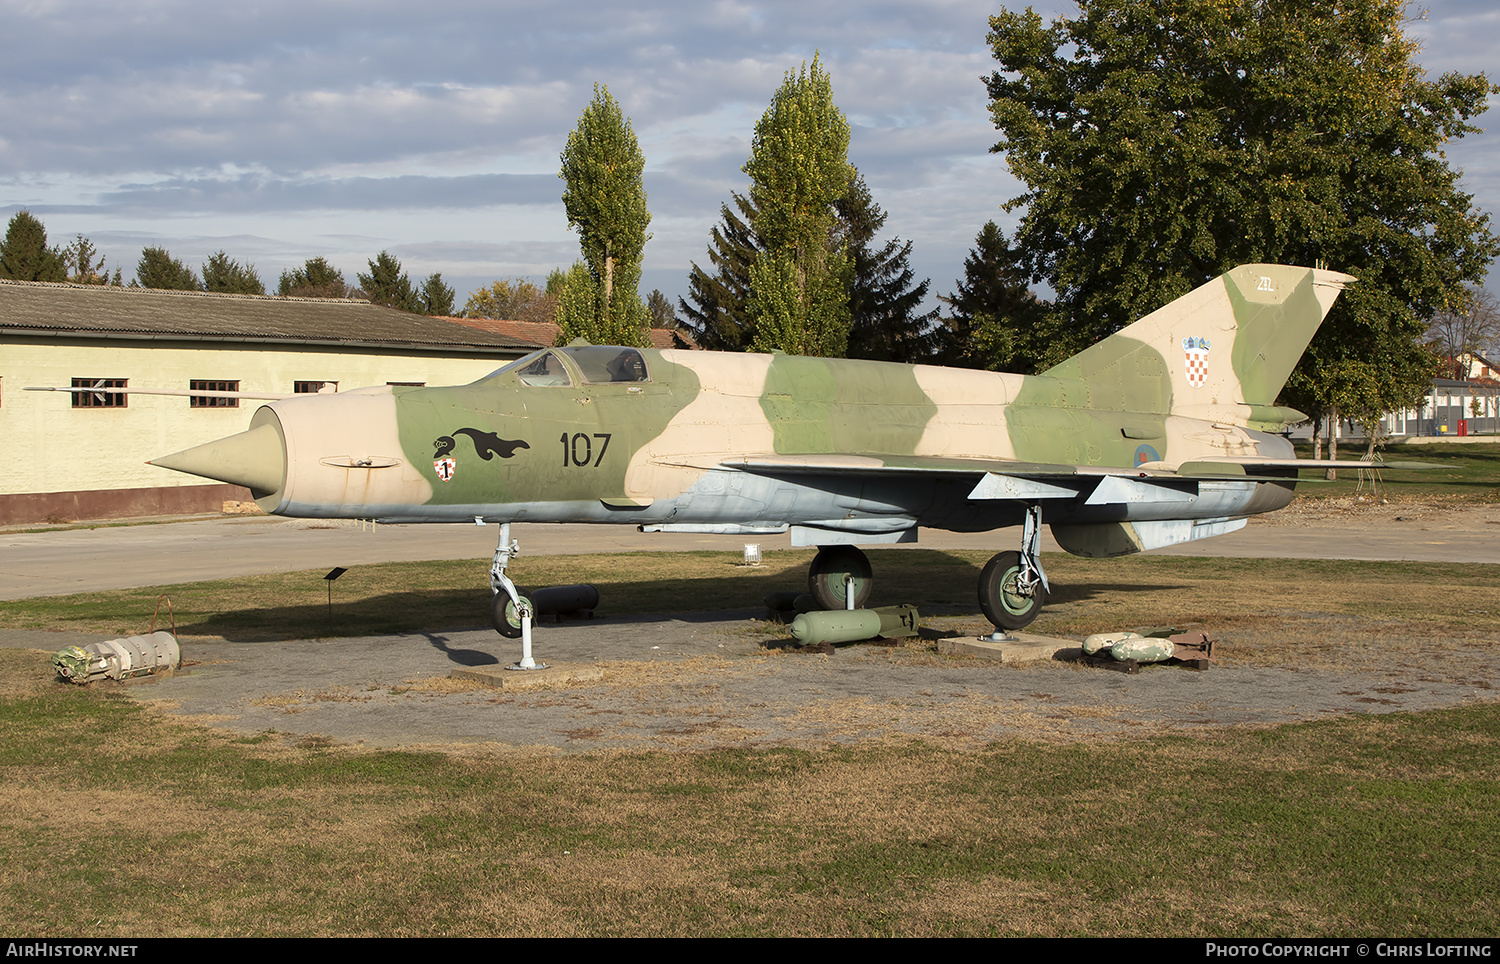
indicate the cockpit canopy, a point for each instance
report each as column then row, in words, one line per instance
column 592, row 364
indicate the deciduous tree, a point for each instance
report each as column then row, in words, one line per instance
column 1162, row 142
column 798, row 168
column 84, row 264
column 512, row 299
column 605, row 198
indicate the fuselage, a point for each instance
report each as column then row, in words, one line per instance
column 619, row 435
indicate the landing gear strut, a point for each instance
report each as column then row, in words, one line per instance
column 1012, row 587
column 510, row 610
column 826, row 577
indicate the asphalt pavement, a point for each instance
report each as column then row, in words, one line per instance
column 696, row 680
column 62, row 561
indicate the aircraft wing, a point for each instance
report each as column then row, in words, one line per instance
column 1030, row 481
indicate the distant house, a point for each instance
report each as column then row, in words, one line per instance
column 1464, row 401
column 82, row 453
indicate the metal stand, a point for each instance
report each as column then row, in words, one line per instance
column 500, row 582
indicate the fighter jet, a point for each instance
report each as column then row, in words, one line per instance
column 1162, row 433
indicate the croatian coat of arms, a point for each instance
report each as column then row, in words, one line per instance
column 1195, row 355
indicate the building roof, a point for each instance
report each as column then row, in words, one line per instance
column 545, row 332
column 37, row 308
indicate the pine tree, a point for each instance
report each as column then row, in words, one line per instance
column 883, row 304
column 224, row 274
column 882, row 300
column 388, row 285
column 315, row 279
column 605, row 198
column 158, row 269
column 716, row 312
column 996, row 322
column 24, row 255
column 437, row 297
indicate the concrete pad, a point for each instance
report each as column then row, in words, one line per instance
column 1017, row 648
column 553, row 674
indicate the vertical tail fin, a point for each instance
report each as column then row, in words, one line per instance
column 1234, row 340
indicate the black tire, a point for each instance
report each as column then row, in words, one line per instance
column 503, row 614
column 825, row 577
column 998, row 598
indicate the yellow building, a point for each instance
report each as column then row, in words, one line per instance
column 82, row 454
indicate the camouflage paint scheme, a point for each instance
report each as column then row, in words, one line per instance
column 1156, row 435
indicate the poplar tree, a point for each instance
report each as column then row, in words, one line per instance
column 798, row 168
column 605, row 198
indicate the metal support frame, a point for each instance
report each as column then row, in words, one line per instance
column 500, row 582
column 1031, row 553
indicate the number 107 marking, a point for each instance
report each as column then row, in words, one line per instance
column 578, row 449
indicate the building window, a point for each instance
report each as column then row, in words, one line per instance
column 211, row 401
column 407, row 384
column 97, row 397
column 312, row 388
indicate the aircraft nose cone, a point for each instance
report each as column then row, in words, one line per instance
column 255, row 459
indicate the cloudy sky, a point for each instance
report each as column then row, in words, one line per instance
column 283, row 130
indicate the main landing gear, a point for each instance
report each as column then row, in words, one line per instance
column 1012, row 586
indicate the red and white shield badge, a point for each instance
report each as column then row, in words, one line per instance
column 444, row 468
column 1195, row 355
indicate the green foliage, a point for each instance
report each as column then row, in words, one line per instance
column 158, row 269
column 1163, row 142
column 24, row 255
column 798, row 168
column 882, row 300
column 315, row 279
column 659, row 307
column 716, row 309
column 578, row 313
column 388, row 285
column 883, row 303
column 437, row 297
column 605, row 198
column 223, row 273
column 83, row 263
column 515, row 299
column 996, row 322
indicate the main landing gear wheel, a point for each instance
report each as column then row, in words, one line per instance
column 1000, row 596
column 825, row 577
column 503, row 614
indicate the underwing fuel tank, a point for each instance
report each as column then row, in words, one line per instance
column 323, row 455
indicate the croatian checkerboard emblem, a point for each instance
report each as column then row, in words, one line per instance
column 444, row 468
column 1195, row 354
